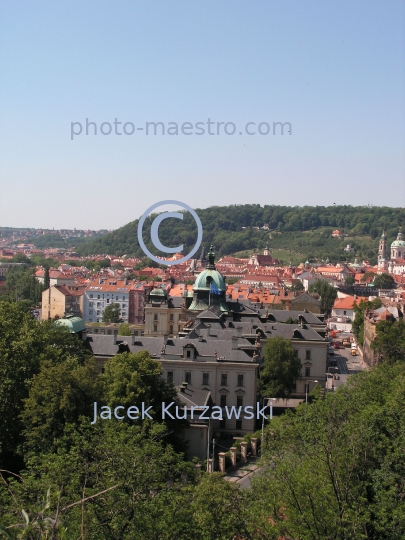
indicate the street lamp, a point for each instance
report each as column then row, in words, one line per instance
column 271, row 417
column 307, row 388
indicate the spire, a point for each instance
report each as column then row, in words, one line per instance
column 400, row 235
column 383, row 236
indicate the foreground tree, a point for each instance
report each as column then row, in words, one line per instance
column 281, row 368
column 336, row 468
column 24, row 344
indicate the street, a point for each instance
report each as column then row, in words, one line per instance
column 346, row 364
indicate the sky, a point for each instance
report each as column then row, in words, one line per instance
column 334, row 71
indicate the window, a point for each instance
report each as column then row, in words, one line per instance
column 155, row 328
column 91, row 304
column 170, row 376
column 171, row 316
column 98, row 297
column 344, row 312
column 189, row 356
column 296, row 352
column 239, row 401
column 108, row 300
column 155, row 317
column 171, row 329
column 307, row 355
column 91, row 296
column 90, row 312
column 224, row 379
column 98, row 312
column 240, row 380
column 307, row 371
column 187, row 377
column 116, row 297
column 206, row 378
column 223, row 400
column 238, row 424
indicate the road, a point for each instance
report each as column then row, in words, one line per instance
column 346, row 363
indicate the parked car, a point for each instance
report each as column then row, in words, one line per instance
column 336, row 345
column 346, row 343
column 353, row 352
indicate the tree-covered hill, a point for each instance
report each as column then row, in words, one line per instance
column 299, row 230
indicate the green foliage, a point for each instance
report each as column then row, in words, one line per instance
column 389, row 342
column 124, row 330
column 336, row 468
column 59, row 394
column 359, row 310
column 384, row 281
column 281, row 369
column 21, row 284
column 299, row 229
column 349, row 280
column 24, row 344
column 47, row 282
column 112, row 313
column 130, row 379
column 297, row 286
column 327, row 292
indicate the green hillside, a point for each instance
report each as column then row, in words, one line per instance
column 299, row 232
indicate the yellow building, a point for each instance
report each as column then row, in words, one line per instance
column 59, row 300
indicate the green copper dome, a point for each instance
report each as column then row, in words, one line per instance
column 399, row 242
column 158, row 292
column 73, row 324
column 217, row 279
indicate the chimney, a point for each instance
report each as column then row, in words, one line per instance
column 208, row 330
column 234, row 343
column 183, row 386
column 133, row 338
column 115, row 338
column 165, row 338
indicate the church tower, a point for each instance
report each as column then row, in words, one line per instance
column 382, row 253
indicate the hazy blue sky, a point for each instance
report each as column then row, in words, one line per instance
column 334, row 69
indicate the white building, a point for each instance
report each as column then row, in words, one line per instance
column 102, row 292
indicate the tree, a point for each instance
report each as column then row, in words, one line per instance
column 359, row 311
column 389, row 342
column 133, row 379
column 336, row 468
column 327, row 293
column 24, row 344
column 59, row 394
column 368, row 277
column 384, row 281
column 281, row 368
column 297, row 286
column 47, row 281
column 22, row 285
column 124, row 330
column 349, row 280
column 22, row 258
column 112, row 313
